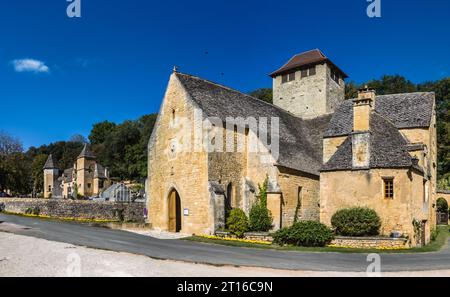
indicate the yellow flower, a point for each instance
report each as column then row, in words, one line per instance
column 234, row 239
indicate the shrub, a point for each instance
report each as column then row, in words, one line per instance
column 2, row 207
column 237, row 222
column 305, row 233
column 260, row 218
column 356, row 221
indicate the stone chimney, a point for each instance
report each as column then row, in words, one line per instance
column 362, row 107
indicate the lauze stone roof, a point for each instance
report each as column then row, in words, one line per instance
column 300, row 141
column 409, row 110
column 388, row 148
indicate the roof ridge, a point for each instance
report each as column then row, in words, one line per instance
column 239, row 92
column 302, row 53
column 406, row 93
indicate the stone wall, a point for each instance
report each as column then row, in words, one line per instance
column 364, row 188
column 256, row 236
column 174, row 167
column 339, row 241
column 370, row 242
column 77, row 209
column 300, row 195
column 310, row 96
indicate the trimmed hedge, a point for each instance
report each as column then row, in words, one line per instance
column 356, row 221
column 304, row 233
column 237, row 222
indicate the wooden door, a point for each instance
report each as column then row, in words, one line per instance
column 174, row 212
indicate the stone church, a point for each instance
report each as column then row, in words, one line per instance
column 87, row 177
column 330, row 153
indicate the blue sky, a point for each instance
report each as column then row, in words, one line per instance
column 113, row 63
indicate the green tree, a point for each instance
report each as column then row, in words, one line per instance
column 101, row 131
column 264, row 94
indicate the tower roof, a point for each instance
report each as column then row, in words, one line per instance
column 86, row 153
column 304, row 59
column 49, row 164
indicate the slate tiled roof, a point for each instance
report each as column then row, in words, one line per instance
column 300, row 140
column 311, row 57
column 50, row 164
column 68, row 175
column 86, row 153
column 409, row 110
column 100, row 171
column 388, row 148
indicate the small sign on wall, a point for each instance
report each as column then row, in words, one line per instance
column 186, row 212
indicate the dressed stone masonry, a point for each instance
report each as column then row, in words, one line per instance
column 332, row 153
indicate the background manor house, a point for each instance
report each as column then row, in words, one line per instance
column 86, row 178
column 374, row 151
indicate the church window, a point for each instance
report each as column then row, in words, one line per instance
column 312, row 70
column 388, row 187
column 89, row 186
column 284, row 78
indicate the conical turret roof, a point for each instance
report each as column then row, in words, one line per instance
column 86, row 153
column 49, row 164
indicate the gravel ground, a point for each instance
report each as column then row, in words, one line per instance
column 29, row 256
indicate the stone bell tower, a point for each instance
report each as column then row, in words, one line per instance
column 50, row 177
column 85, row 172
column 308, row 85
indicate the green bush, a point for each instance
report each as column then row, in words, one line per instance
column 260, row 218
column 237, row 222
column 305, row 233
column 356, row 221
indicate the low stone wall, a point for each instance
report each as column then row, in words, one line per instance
column 339, row 241
column 77, row 209
column 257, row 236
column 370, row 242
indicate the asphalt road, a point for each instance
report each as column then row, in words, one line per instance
column 122, row 241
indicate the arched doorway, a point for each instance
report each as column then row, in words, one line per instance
column 174, row 211
column 442, row 211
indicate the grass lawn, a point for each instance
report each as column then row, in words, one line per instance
column 437, row 244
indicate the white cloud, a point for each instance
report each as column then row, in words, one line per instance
column 30, row 65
